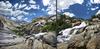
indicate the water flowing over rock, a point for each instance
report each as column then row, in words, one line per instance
column 69, row 32
column 85, row 38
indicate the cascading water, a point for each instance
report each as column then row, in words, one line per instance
column 69, row 32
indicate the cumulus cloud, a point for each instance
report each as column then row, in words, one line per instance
column 46, row 2
column 65, row 4
column 95, row 1
column 51, row 6
column 51, row 10
column 69, row 14
column 17, row 10
column 22, row 6
column 6, row 9
column 6, row 4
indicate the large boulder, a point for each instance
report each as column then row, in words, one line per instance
column 94, row 42
column 44, row 41
column 40, row 45
column 50, row 39
column 62, row 46
column 77, row 41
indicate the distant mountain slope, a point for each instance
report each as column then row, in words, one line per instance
column 7, row 24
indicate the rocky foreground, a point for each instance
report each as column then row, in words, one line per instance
column 87, row 37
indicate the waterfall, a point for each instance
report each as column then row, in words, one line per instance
column 82, row 25
column 69, row 32
column 66, row 32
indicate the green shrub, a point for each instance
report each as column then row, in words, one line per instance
column 57, row 25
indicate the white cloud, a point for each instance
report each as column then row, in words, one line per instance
column 32, row 2
column 16, row 5
column 65, row 4
column 19, row 12
column 46, row 2
column 94, row 8
column 32, row 7
column 20, row 17
column 98, row 12
column 25, row 19
column 13, row 18
column 19, row 6
column 22, row 6
column 52, row 12
column 5, row 5
column 69, row 14
column 8, row 4
column 95, row 1
column 27, row 8
column 5, row 9
column 51, row 9
column 43, row 9
column 79, row 1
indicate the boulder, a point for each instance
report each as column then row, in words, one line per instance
column 40, row 45
column 77, row 41
column 50, row 39
column 62, row 46
column 94, row 42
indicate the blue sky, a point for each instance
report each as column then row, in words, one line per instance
column 28, row 9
